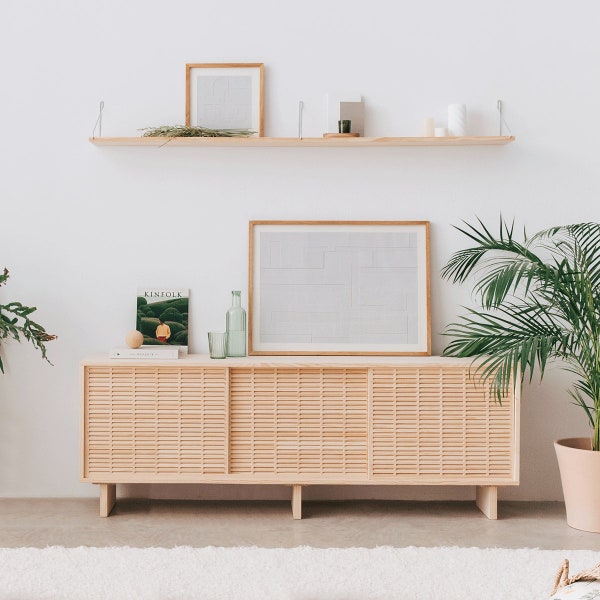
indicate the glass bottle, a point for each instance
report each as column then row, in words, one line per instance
column 236, row 326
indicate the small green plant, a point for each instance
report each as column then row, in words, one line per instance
column 539, row 300
column 15, row 323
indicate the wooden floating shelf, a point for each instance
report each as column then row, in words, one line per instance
column 273, row 142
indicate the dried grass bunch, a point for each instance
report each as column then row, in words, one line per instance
column 191, row 131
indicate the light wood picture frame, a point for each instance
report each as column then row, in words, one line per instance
column 339, row 287
column 225, row 96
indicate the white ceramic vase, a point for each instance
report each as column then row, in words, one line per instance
column 580, row 476
column 457, row 120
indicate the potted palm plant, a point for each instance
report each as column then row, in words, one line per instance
column 16, row 323
column 539, row 301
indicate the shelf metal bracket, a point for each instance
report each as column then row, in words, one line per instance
column 98, row 121
column 502, row 120
column 300, row 109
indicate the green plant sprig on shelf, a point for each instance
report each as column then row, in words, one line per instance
column 192, row 131
column 15, row 323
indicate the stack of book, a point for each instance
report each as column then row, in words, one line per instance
column 148, row 352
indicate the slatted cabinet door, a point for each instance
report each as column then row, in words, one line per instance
column 150, row 423
column 436, row 425
column 308, row 423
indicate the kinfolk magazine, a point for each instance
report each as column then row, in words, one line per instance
column 162, row 318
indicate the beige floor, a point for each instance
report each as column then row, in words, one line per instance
column 168, row 523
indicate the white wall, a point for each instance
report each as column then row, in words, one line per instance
column 82, row 227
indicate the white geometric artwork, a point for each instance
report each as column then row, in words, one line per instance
column 224, row 102
column 343, row 288
column 225, row 96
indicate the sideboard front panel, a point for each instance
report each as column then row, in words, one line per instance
column 155, row 420
column 437, row 422
column 388, row 424
column 309, row 421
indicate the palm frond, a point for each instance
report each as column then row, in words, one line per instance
column 508, row 263
column 512, row 339
column 539, row 300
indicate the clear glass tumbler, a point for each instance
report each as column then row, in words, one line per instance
column 217, row 344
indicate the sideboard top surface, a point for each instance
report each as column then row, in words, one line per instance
column 204, row 360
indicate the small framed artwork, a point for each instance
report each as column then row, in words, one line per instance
column 225, row 96
column 339, row 287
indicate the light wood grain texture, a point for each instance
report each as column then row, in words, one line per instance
column 83, row 423
column 297, row 501
column 290, row 478
column 108, row 498
column 264, row 362
column 274, row 142
column 487, row 500
column 274, row 421
column 517, row 431
column 308, row 422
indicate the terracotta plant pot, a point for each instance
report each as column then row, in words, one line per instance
column 580, row 475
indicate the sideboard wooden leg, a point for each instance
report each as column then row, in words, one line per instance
column 108, row 497
column 486, row 498
column 297, row 501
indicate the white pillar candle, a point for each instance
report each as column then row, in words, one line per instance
column 429, row 127
column 441, row 132
column 457, row 119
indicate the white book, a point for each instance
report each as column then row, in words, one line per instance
column 148, row 352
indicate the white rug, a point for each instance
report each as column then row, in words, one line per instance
column 296, row 574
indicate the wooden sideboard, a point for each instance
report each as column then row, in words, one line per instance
column 296, row 421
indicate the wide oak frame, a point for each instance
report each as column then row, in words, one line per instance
column 424, row 300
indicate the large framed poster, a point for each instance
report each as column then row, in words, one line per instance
column 339, row 287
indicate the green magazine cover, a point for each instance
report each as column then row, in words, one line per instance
column 162, row 317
